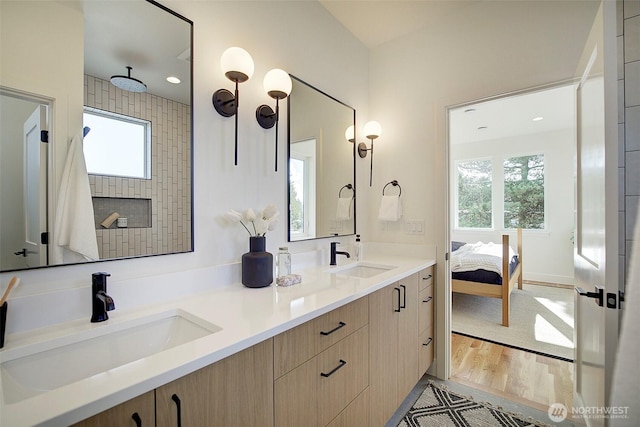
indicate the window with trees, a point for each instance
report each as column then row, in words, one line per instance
column 524, row 192
column 519, row 194
column 474, row 194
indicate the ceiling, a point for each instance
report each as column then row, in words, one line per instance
column 379, row 21
column 375, row 22
column 115, row 38
column 513, row 115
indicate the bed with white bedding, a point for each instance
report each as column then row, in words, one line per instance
column 487, row 269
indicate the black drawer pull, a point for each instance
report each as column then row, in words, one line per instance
column 135, row 417
column 340, row 325
column 404, row 297
column 397, row 310
column 428, row 299
column 428, row 342
column 428, row 277
column 176, row 399
column 342, row 363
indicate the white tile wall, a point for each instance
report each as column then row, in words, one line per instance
column 170, row 185
column 629, row 50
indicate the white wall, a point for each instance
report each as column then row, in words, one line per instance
column 299, row 37
column 548, row 253
column 488, row 49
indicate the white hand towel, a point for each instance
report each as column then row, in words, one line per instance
column 75, row 231
column 390, row 208
column 344, row 211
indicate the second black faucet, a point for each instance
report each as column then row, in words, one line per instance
column 335, row 252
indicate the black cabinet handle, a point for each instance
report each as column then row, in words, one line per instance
column 176, row 399
column 342, row 363
column 428, row 299
column 428, row 277
column 428, row 341
column 397, row 310
column 135, row 417
column 340, row 325
column 404, row 297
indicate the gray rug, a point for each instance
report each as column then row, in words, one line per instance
column 541, row 319
column 438, row 406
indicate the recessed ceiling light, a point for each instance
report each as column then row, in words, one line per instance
column 537, row 119
column 173, row 79
column 482, row 127
column 470, row 110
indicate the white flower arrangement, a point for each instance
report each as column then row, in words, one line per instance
column 266, row 221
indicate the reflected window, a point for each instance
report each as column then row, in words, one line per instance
column 302, row 185
column 116, row 145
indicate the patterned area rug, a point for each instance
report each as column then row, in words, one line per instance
column 437, row 406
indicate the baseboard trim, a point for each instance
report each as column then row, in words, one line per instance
column 540, row 353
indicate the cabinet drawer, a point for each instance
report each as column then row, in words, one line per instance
column 142, row 406
column 425, row 278
column 306, row 397
column 356, row 414
column 426, row 344
column 425, row 309
column 297, row 345
column 343, row 374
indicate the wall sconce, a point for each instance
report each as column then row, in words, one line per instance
column 237, row 66
column 371, row 130
column 277, row 84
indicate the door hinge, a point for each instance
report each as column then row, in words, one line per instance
column 44, row 136
column 446, row 256
column 598, row 295
column 44, row 238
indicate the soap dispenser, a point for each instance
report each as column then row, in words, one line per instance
column 358, row 248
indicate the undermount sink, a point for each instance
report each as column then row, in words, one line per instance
column 65, row 360
column 362, row 270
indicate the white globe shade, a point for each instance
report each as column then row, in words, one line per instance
column 372, row 130
column 349, row 134
column 277, row 83
column 237, row 64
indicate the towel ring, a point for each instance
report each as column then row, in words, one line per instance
column 395, row 184
column 348, row 186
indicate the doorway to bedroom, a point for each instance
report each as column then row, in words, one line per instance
column 512, row 168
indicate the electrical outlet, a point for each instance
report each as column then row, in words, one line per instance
column 414, row 226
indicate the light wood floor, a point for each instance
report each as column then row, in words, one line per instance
column 516, row 375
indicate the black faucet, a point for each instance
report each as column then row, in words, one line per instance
column 334, row 252
column 101, row 302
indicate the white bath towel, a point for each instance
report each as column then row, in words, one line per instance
column 344, row 210
column 390, row 208
column 74, row 230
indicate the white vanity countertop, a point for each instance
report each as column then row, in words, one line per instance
column 246, row 317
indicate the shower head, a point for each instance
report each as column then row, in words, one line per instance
column 128, row 83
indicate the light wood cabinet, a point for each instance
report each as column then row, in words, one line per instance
column 397, row 318
column 139, row 411
column 326, row 388
column 237, row 390
column 426, row 339
column 297, row 345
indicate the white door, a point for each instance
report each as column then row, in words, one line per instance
column 35, row 188
column 596, row 251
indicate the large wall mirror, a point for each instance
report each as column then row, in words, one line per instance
column 321, row 165
column 94, row 168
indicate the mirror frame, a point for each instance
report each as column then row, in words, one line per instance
column 151, row 3
column 288, row 182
